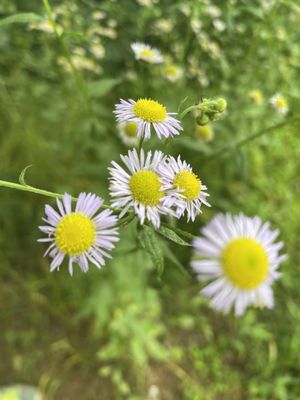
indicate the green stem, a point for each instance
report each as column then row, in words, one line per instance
column 31, row 189
column 242, row 142
column 187, row 110
column 141, row 143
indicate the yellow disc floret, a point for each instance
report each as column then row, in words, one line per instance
column 147, row 53
column 75, row 233
column 189, row 183
column 150, row 110
column 245, row 263
column 130, row 129
column 145, row 187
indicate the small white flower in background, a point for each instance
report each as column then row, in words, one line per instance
column 146, row 53
column 45, row 26
column 213, row 11
column 147, row 3
column 98, row 15
column 204, row 132
column 97, row 50
column 148, row 114
column 127, row 132
column 80, row 234
column 172, row 72
column 153, row 393
column 196, row 24
column 163, row 26
column 219, row 25
column 256, row 96
column 138, row 186
column 185, row 190
column 241, row 258
column 280, row 103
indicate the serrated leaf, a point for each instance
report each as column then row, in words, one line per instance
column 151, row 245
column 101, row 87
column 171, row 235
column 22, row 18
column 22, row 175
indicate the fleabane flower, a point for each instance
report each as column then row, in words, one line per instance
column 148, row 114
column 146, row 53
column 280, row 103
column 240, row 257
column 127, row 132
column 186, row 191
column 138, row 186
column 80, row 235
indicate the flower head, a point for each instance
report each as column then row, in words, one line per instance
column 204, row 132
column 241, row 258
column 147, row 53
column 280, row 103
column 127, row 132
column 148, row 114
column 256, row 96
column 80, row 234
column 139, row 186
column 172, row 72
column 185, row 190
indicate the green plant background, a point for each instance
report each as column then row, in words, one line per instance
column 115, row 333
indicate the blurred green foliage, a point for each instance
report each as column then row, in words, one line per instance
column 122, row 333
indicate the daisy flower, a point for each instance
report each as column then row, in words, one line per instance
column 185, row 190
column 148, row 114
column 138, row 186
column 172, row 72
column 280, row 103
column 80, row 235
column 127, row 132
column 146, row 53
column 240, row 257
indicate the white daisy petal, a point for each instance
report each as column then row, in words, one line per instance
column 79, row 233
column 240, row 258
column 139, row 188
column 143, row 116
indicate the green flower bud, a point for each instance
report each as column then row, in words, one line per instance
column 221, row 104
column 203, row 119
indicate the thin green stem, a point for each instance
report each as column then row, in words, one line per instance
column 187, row 110
column 31, row 189
column 242, row 142
column 141, row 143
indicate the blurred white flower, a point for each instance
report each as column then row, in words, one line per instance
column 128, row 133
column 172, row 72
column 146, row 53
column 240, row 257
column 213, row 11
column 280, row 103
column 219, row 25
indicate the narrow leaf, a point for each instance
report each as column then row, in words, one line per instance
column 151, row 245
column 23, row 18
column 22, row 175
column 171, row 235
column 181, row 232
column 101, row 87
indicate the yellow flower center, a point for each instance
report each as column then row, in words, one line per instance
column 204, row 132
column 75, row 233
column 189, row 183
column 150, row 110
column 145, row 188
column 171, row 70
column 245, row 263
column 281, row 102
column 147, row 53
column 130, row 129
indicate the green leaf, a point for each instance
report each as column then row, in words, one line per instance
column 171, row 235
column 22, row 175
column 181, row 232
column 23, row 18
column 149, row 242
column 101, row 87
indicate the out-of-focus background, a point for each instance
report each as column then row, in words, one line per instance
column 121, row 333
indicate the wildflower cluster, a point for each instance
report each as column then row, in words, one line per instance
column 239, row 255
